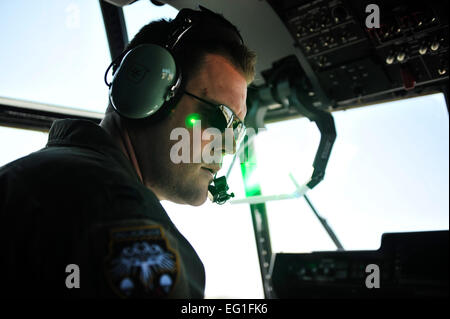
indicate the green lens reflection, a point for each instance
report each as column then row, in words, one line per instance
column 191, row 119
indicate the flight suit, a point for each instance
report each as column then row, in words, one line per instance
column 79, row 202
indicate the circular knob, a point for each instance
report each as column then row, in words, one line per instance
column 442, row 71
column 434, row 46
column 423, row 49
column 390, row 59
column 401, row 56
column 322, row 61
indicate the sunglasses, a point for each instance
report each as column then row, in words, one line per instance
column 222, row 118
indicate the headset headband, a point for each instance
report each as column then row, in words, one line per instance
column 185, row 20
column 147, row 75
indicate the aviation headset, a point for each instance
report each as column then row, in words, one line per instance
column 148, row 77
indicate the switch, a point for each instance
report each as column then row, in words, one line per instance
column 443, row 67
column 401, row 56
column 434, row 45
column 322, row 61
column 423, row 49
column 390, row 59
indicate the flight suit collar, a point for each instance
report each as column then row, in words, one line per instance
column 88, row 134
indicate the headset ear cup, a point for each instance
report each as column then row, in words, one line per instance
column 146, row 78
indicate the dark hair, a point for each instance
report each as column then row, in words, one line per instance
column 212, row 33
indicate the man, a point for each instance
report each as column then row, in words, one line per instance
column 82, row 217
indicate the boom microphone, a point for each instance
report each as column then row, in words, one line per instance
column 217, row 190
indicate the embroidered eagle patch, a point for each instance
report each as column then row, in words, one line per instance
column 140, row 263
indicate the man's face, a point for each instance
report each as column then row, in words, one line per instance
column 219, row 82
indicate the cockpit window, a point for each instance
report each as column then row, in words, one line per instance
column 388, row 172
column 54, row 52
column 141, row 13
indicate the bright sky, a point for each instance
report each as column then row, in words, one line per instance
column 388, row 170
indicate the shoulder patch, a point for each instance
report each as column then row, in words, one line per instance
column 140, row 263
